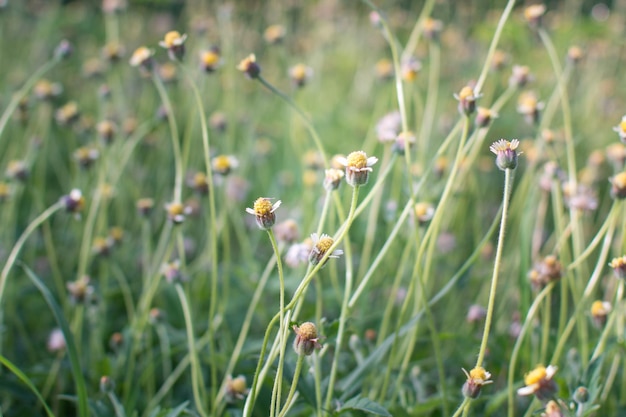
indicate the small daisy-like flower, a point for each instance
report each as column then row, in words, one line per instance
column 210, row 59
column 621, row 130
column 389, row 126
column 63, row 50
column 106, row 130
column 384, row 69
column 80, row 290
column 546, row 271
column 171, row 271
column 552, row 410
column 145, row 206
column 113, row 51
column 533, row 14
column 307, row 339
column 580, row 197
column 102, row 246
column 484, row 116
column 618, row 186
column 403, row 141
column 174, row 42
column 358, row 167
column 274, row 34
column 506, row 154
column 432, row 28
column 574, row 54
column 476, row 378
column 67, row 114
column 539, row 382
column 236, row 388
column 17, row 170
column 619, row 267
column 300, row 74
column 45, row 90
column 74, row 202
column 410, row 69
column 286, row 231
column 520, row 76
column 249, row 67
column 467, row 100
column 56, row 341
column 321, row 245
column 529, row 106
column 333, row 178
column 599, row 312
column 263, row 210
column 142, row 58
column 424, row 212
column 224, row 164
column 499, row 60
column 176, row 212
column 199, row 182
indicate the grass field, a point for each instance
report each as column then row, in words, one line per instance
column 312, row 208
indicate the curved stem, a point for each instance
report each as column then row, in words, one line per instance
column 294, row 385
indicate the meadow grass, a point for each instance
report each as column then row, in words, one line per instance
column 325, row 208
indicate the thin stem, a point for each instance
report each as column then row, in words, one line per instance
column 294, row 385
column 281, row 329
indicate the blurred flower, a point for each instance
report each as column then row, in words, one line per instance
column 145, row 206
column 106, row 130
column 599, row 312
column 616, row 155
column 506, row 154
column 403, row 141
column 224, row 164
column 274, row 34
column 546, row 271
column 67, row 114
column 306, row 339
column 198, row 182
column 499, row 60
column 17, row 170
column 80, row 290
column 424, row 212
column 432, row 28
column 552, row 410
column 176, row 212
column 333, row 178
column 113, row 51
column 581, row 198
column 236, row 188
column 236, row 389
column 142, row 58
column 5, row 191
column 263, row 210
column 63, row 50
column 102, row 246
column 358, row 167
column 218, row 121
column 618, row 186
column 93, row 68
column 300, row 74
column 313, row 160
column 476, row 378
column 410, row 68
column 113, row 6
column 56, row 341
column 389, row 126
column 619, row 266
column 174, row 42
column 286, row 231
column 621, row 129
column 321, row 245
column 467, row 100
column 171, row 271
column 74, row 202
column 45, row 90
column 539, row 382
column 520, row 76
column 574, row 54
column 533, row 14
column 384, row 69
column 476, row 313
column 249, row 67
column 484, row 116
column 210, row 59
column 167, row 72
column 529, row 106
column 298, row 253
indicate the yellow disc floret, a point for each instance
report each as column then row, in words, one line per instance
column 536, row 375
column 357, row 159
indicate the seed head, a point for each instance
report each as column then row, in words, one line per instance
column 506, row 154
column 263, row 210
column 306, row 339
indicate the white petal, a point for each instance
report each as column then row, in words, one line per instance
column 371, row 161
column 529, row 390
column 342, row 160
column 249, row 210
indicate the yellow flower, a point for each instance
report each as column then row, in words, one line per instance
column 539, row 382
column 358, row 167
column 263, row 210
column 476, row 378
column 142, row 57
column 321, row 245
column 249, row 66
column 210, row 60
column 506, row 154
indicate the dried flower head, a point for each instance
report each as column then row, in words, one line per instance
column 321, row 246
column 506, row 154
column 619, row 267
column 358, row 167
column 224, row 164
column 307, row 339
column 211, row 59
column 80, row 290
column 533, row 14
column 476, row 378
column 74, row 202
column 300, row 74
column 174, row 42
column 263, row 210
column 539, row 382
column 520, row 76
column 621, row 129
column 618, row 186
column 142, row 58
column 274, row 34
column 176, row 212
column 333, row 178
column 236, row 388
column 467, row 100
column 249, row 67
column 599, row 312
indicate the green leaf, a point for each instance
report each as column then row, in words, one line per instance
column 18, row 373
column 364, row 404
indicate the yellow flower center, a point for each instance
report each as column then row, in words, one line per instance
column 622, row 126
column 598, row 308
column 324, row 244
column 307, row 331
column 466, row 93
column 175, row 209
column 140, row 55
column 299, row 72
column 357, row 160
column 199, row 180
column 221, row 163
column 534, row 11
column 210, row 58
column 618, row 262
column 262, row 207
column 619, row 180
column 422, row 209
column 238, row 385
column 536, row 375
column 171, row 38
column 479, row 373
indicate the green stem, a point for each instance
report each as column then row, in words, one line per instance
column 282, row 324
column 294, row 385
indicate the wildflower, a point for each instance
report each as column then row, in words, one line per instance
column 321, row 245
column 574, row 54
column 618, row 186
column 56, row 341
column 17, row 170
column 210, row 59
column 156, row 315
column 106, row 384
column 476, row 378
column 174, row 42
column 520, row 76
column 389, row 126
column 332, row 180
column 300, row 74
column 45, row 90
column 552, row 410
column 313, row 160
column 619, row 267
column 249, row 66
column 529, row 106
column 199, row 182
column 224, row 164
column 298, row 253
column 424, row 212
column 5, row 191
column 218, row 121
column 113, row 6
column 74, row 202
column 274, row 34
column 499, row 60
column 484, row 116
column 358, row 167
column 621, row 129
column 113, row 51
column 116, row 340
column 403, row 141
column 176, row 212
column 142, row 58
column 599, row 312
column 581, row 395
column 167, row 72
column 539, row 382
column 264, row 210
column 116, row 234
column 533, row 15
column 67, row 114
column 80, row 290
column 410, row 68
column 236, row 388
column 546, row 271
column 306, row 339
column 384, row 69
column 145, row 206
column 93, row 68
column 476, row 313
column 581, row 197
column 506, row 154
column 467, row 100
column 171, row 271
column 432, row 28
column 102, row 246
column 106, row 130
column 286, row 231
column 63, row 50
